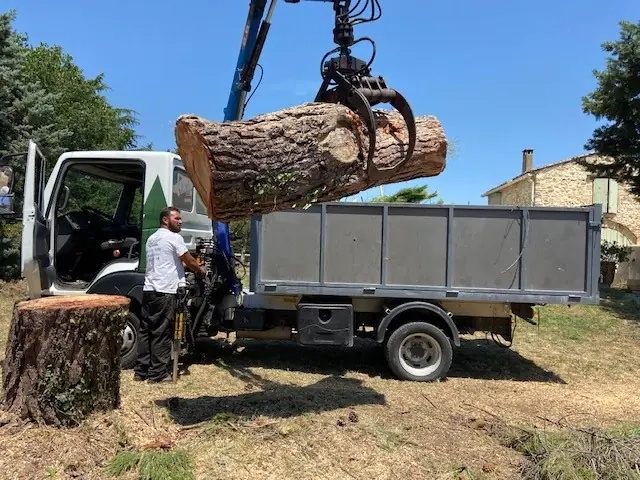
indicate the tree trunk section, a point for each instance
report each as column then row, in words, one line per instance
column 298, row 156
column 62, row 360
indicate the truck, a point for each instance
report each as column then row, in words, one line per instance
column 412, row 277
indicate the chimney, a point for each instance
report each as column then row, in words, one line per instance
column 527, row 160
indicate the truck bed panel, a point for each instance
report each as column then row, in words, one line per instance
column 495, row 253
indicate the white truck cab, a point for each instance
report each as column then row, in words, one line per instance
column 85, row 227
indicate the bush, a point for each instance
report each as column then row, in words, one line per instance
column 10, row 238
column 612, row 252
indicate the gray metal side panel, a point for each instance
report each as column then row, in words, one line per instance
column 494, row 253
column 416, row 247
column 486, row 248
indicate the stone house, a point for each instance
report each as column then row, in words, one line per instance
column 568, row 184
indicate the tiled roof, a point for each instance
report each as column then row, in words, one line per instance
column 522, row 176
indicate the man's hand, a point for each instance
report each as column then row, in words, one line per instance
column 192, row 265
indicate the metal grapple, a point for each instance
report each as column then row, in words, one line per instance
column 348, row 80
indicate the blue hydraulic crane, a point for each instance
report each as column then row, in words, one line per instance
column 351, row 79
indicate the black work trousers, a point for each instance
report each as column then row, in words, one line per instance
column 155, row 335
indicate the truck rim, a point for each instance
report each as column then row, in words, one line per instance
column 128, row 339
column 420, row 354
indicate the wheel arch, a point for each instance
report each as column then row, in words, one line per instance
column 128, row 284
column 417, row 311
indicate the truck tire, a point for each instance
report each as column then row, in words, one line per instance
column 419, row 351
column 129, row 350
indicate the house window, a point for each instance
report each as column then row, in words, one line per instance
column 605, row 192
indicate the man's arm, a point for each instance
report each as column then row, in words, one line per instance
column 191, row 263
column 186, row 257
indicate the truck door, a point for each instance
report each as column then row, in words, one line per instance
column 37, row 267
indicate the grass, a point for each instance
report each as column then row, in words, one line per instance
column 576, row 453
column 153, row 465
column 276, row 410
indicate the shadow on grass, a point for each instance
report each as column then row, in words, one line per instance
column 275, row 399
column 474, row 358
column 622, row 303
column 486, row 360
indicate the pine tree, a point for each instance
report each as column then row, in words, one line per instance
column 26, row 109
column 26, row 112
column 616, row 103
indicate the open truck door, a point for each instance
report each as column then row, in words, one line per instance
column 36, row 265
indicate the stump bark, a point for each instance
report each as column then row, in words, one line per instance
column 62, row 360
column 298, row 156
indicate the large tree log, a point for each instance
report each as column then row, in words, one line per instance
column 62, row 359
column 297, row 156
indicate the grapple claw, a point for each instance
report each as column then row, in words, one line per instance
column 376, row 91
column 346, row 94
column 356, row 88
column 360, row 95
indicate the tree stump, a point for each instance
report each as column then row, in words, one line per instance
column 299, row 156
column 62, row 360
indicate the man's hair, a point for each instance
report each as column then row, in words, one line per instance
column 166, row 212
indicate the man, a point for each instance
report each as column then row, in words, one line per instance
column 166, row 253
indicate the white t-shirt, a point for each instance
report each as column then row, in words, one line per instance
column 164, row 271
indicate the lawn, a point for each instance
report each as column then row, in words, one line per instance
column 275, row 410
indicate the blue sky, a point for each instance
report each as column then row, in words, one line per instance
column 500, row 75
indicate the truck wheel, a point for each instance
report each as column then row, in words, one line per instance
column 129, row 349
column 419, row 351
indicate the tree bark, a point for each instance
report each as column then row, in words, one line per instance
column 298, row 156
column 62, row 360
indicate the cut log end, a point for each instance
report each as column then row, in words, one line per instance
column 193, row 146
column 74, row 302
column 299, row 156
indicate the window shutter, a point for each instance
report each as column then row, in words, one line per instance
column 612, row 199
column 600, row 193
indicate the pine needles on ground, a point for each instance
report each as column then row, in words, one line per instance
column 153, row 465
column 576, row 454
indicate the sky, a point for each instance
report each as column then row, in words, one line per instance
column 501, row 76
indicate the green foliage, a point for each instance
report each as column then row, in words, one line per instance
column 612, row 252
column 26, row 107
column 419, row 194
column 152, row 465
column 240, row 232
column 616, row 100
column 80, row 108
column 10, row 251
column 45, row 96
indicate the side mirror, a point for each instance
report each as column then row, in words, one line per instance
column 64, row 198
column 6, row 191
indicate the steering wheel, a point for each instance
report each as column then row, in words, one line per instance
column 97, row 213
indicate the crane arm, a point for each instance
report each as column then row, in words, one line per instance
column 253, row 39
